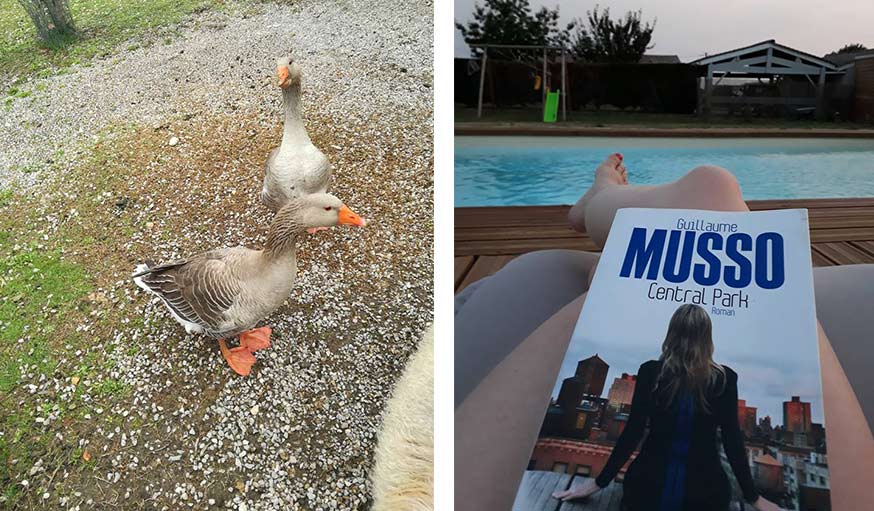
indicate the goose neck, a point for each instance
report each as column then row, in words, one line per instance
column 293, row 129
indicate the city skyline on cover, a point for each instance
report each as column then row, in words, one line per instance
column 769, row 406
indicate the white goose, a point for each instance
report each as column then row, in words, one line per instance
column 296, row 167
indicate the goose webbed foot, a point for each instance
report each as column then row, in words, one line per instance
column 240, row 358
column 256, row 339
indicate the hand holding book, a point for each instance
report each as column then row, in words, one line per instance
column 763, row 504
column 579, row 492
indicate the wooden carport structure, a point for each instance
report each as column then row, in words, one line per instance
column 767, row 59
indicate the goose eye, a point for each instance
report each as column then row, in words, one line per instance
column 328, row 208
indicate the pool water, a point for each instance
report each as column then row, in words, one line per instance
column 517, row 171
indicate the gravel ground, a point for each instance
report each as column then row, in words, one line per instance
column 299, row 432
column 363, row 59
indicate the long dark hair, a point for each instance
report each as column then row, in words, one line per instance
column 687, row 358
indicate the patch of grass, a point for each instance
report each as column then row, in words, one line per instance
column 102, row 25
column 14, row 93
column 18, row 444
column 39, row 298
column 46, row 293
column 110, row 387
column 36, row 288
column 11, row 491
column 5, row 198
column 30, row 168
column 42, row 299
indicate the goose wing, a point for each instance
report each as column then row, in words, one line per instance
column 273, row 193
column 199, row 290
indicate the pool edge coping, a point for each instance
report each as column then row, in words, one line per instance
column 534, row 129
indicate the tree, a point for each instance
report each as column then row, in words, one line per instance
column 602, row 39
column 512, row 22
column 850, row 48
column 53, row 20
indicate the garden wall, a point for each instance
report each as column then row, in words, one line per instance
column 664, row 88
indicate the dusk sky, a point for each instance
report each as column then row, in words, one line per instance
column 689, row 28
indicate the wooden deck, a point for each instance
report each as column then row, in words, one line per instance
column 841, row 232
column 535, row 494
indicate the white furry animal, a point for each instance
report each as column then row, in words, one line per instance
column 403, row 475
column 296, row 167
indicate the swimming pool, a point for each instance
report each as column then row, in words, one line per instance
column 518, row 171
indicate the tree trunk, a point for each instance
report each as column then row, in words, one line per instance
column 52, row 18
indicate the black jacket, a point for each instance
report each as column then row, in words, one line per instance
column 706, row 484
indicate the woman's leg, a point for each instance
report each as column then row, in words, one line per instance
column 706, row 187
column 496, row 425
column 492, row 320
column 843, row 302
column 844, row 295
column 848, row 434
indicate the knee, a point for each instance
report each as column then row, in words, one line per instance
column 713, row 177
column 557, row 269
column 540, row 261
column 576, row 217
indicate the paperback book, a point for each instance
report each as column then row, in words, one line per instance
column 692, row 377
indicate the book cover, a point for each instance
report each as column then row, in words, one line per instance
column 636, row 378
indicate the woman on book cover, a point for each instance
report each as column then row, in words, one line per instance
column 684, row 396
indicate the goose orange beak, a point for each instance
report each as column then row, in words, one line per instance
column 347, row 217
column 282, row 75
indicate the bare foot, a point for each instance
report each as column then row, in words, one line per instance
column 624, row 173
column 611, row 172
